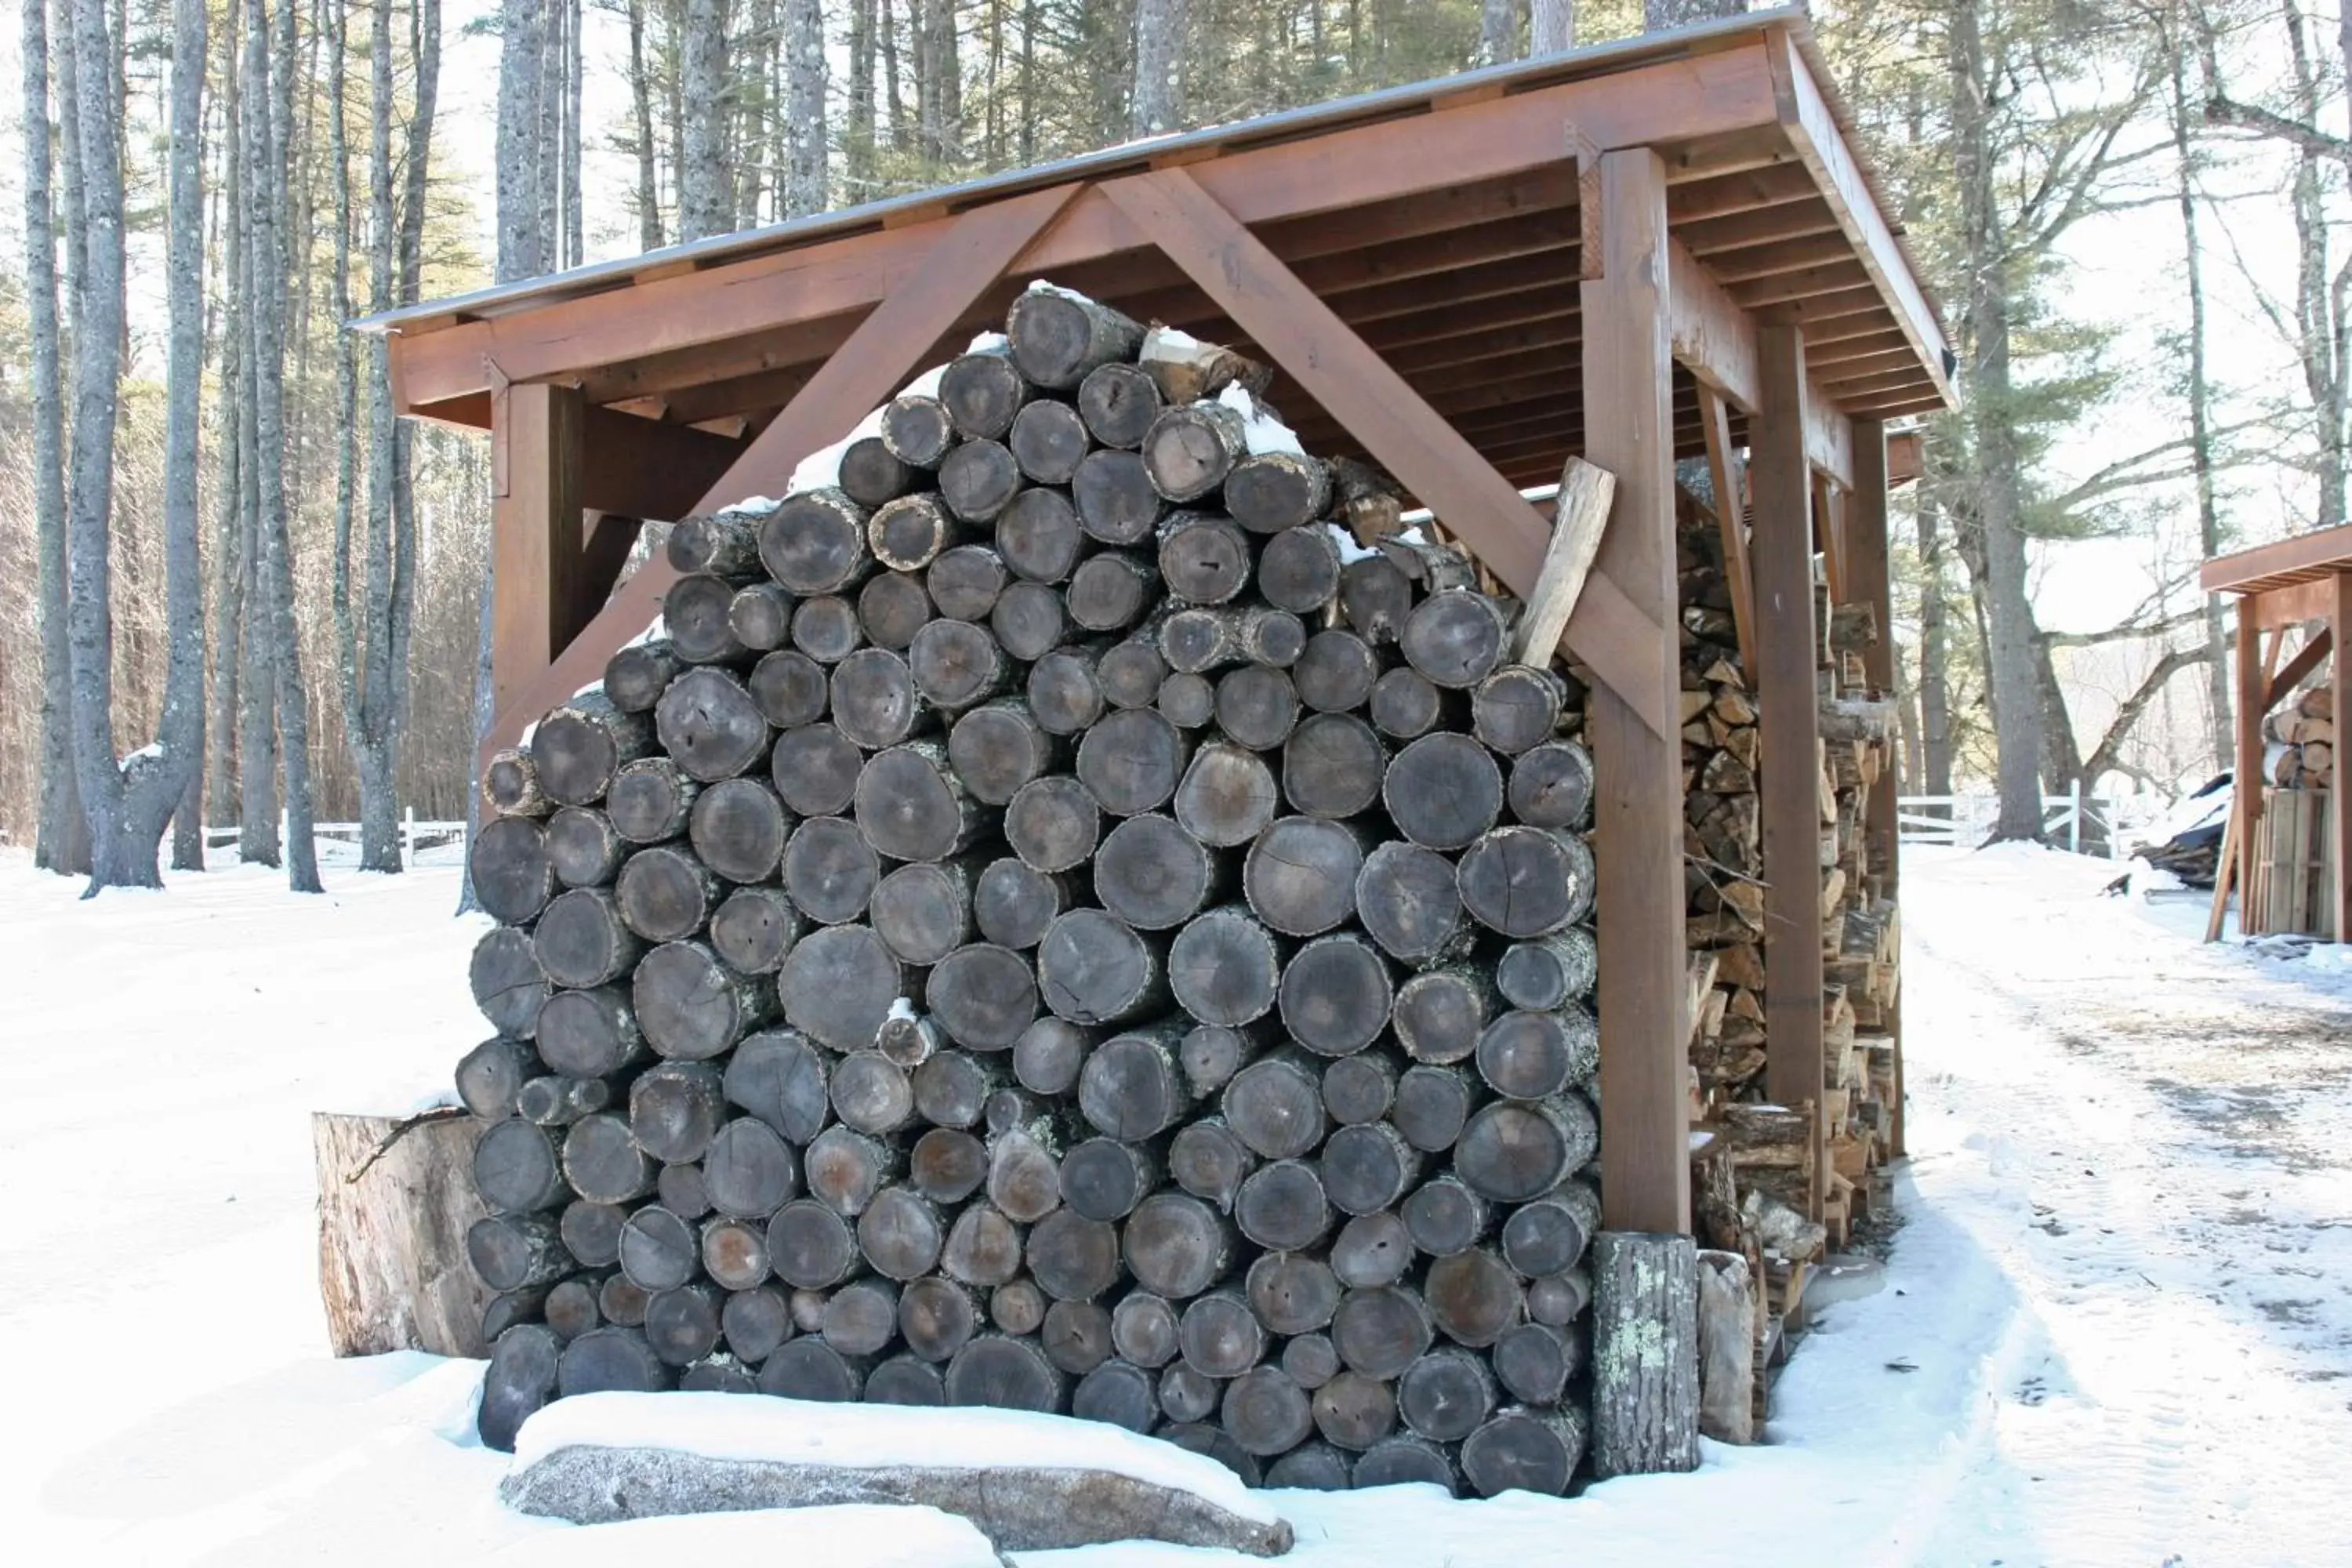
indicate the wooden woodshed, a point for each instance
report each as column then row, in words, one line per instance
column 1657, row 250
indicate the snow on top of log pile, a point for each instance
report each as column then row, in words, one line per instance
column 876, row 1437
column 1260, row 429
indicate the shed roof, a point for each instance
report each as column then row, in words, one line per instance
column 2288, row 563
column 1444, row 222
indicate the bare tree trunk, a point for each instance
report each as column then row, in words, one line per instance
column 228, row 446
column 62, row 844
column 2200, row 421
column 256, row 730
column 1498, row 31
column 521, row 56
column 2319, row 307
column 649, row 223
column 857, row 124
column 547, row 148
column 1999, row 460
column 575, row 226
column 1157, row 98
column 1551, row 26
column 1028, row 81
column 182, row 731
column 805, row 185
column 901, row 136
column 703, row 188
column 1659, row 15
column 1934, row 774
column 945, row 123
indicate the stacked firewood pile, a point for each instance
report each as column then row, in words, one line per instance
column 1056, row 921
column 2302, row 741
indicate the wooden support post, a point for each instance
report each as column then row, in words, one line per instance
column 1867, row 564
column 1790, row 717
column 1629, row 429
column 536, row 553
column 2339, row 617
column 2246, row 786
column 1829, row 538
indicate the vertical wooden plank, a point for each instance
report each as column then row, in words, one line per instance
column 2246, row 785
column 1789, row 718
column 1731, row 520
column 536, row 552
column 1629, row 429
column 1867, row 562
column 1830, row 539
column 2339, row 891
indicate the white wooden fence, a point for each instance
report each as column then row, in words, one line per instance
column 2110, row 822
column 414, row 834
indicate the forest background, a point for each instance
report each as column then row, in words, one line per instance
column 231, row 586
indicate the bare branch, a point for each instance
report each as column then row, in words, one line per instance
column 2274, row 126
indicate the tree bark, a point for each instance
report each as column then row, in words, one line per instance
column 1551, row 26
column 704, row 206
column 522, row 59
column 2218, row 728
column 806, row 182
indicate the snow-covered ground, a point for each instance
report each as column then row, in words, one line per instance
column 2118, row 1325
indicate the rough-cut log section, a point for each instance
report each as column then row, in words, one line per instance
column 1131, row 673
column 1275, row 1106
column 1283, row 1207
column 872, row 473
column 754, row 1322
column 1336, row 671
column 614, row 1359
column 1512, row 1151
column 510, row 786
column 1187, row 1394
column 1052, row 824
column 965, row 583
column 1004, row 1373
column 1014, row 903
column 659, row 1251
column 583, row 847
column 664, row 893
column 904, row 1380
column 1203, row 560
column 1115, row 500
column 891, row 608
column 815, row 544
column 938, row 1317
column 923, row 911
column 1064, row 693
column 589, row 1034
column 554, row 1101
column 1110, row 591
column 517, row 1252
column 682, row 1190
column 810, row 1246
column 826, row 628
column 1443, row 1216
column 1444, row 790
column 997, row 749
column 1213, row 1053
column 1292, row 1293
column 1644, row 1354
column 636, row 677
column 1406, row 704
column 1549, row 971
column 1204, row 638
column 1103, row 1179
column 1017, row 1307
column 520, row 1379
column 735, row 1253
column 984, row 997
column 1299, row 570
column 1332, row 766
column 1516, row 708
column 1360, row 1089
column 1209, row 1160
column 1335, row 995
column 578, row 747
column 1143, row 1330
column 571, row 1308
column 830, row 871
column 1119, row 1392
column 621, row 1301
column 957, row 665
column 1558, row 1299
column 1130, row 1087
column 978, row 479
column 1406, row 1461
column 1187, row 702
column 513, row 878
column 723, row 543
column 749, row 1170
column 1314, row 1466
column 754, row 929
column 1268, row 492
column 1025, row 1178
column 517, row 1168
column 699, row 615
column 1376, row 596
column 1074, row 1259
column 874, row 696
column 1456, row 639
column 1152, row 874
column 1525, row 1450
column 1176, row 1245
column 1381, row 1330
column 1534, row 1056
column 1092, row 968
column 1371, row 1251
column 1367, row 1167
column 1049, row 1053
column 675, row 1111
column 1549, row 1236
column 815, row 768
column 1300, row 876
column 507, row 981
column 682, row 1325
column 1257, row 706
column 1433, row 1104
column 1189, row 449
column 710, row 725
column 1405, row 897
column 1118, row 403
column 908, row 533
column 901, row 1234
column 692, row 1007
column 1526, row 881
column 871, row 1093
column 1354, row 1411
column 739, row 828
column 947, row 1166
column 779, row 1078
column 983, row 1249
column 1038, row 537
column 1056, row 338
column 1551, row 786
column 1533, row 1363
column 917, row 431
column 1446, row 1394
column 981, row 392
column 491, row 1075
column 1049, row 440
column 1473, row 1295
column 651, row 800
column 1220, row 1337
column 789, row 687
column 760, row 616
column 838, row 985
column 810, row 1369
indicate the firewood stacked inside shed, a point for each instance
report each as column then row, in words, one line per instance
column 2300, row 739
column 1054, row 921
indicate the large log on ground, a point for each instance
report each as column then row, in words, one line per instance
column 1645, row 1398
column 395, row 1204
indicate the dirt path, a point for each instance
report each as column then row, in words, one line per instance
column 2176, row 1126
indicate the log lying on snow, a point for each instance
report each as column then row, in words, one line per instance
column 1057, row 924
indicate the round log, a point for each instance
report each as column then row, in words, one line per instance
column 1441, row 1013
column 1457, row 639
column 1408, row 902
column 1292, row 1293
column 1152, row 874
column 1103, row 1179
column 984, row 997
column 583, row 847
column 1381, row 1332
column 1549, row 1236
column 1335, row 995
column 981, row 392
column 815, row 769
column 754, row 1322
column 697, row 610
column 750, row 1172
column 513, row 878
column 754, row 929
column 680, row 1189
column 916, row 430
column 1187, row 702
column 810, row 1369
column 554, row 1100
column 636, row 677
column 1310, row 1361
column 1064, row 695
column 810, row 1246
column 1014, row 903
column 571, row 1308
column 1189, row 450
column 826, row 628
column 1006, row 1374
column 872, row 473
column 614, row 1359
column 659, row 1251
column 901, row 1234
column 1407, row 1461
column 947, row 1165
column 846, row 1168
column 1017, row 1307
column 517, row 1167
column 1513, row 1151
column 957, row 665
column 1549, row 971
column 938, row 1317
column 490, row 1077
column 1073, row 1258
column 508, row 983
column 1202, row 637
column 891, row 608
column 1049, row 1053
column 1366, row 1166
column 1037, row 535
column 815, row 544
column 1311, row 1467
column 588, row 1034
column 1052, row 824
column 1143, row 1329
column 1130, row 1086
column 788, row 687
column 761, row 616
column 874, row 700
column 1300, row 875
column 682, row 1325
column 1360, row 1089
column 1025, row 1180
column 870, row 1094
column 1118, row 403
column 710, row 725
column 1443, row 791
column 1268, row 492
column 1114, row 497
column 1443, row 1216
column 1335, row 671
column 1299, row 570
column 923, row 911
column 510, row 786
column 675, row 1109
column 779, row 1078
column 1213, row 1053
column 830, row 870
column 517, row 1252
column 1446, row 1394
column 1526, row 881
column 1187, row 1394
column 1283, row 1207
column 1057, row 337
column 692, row 1007
column 904, row 1380
column 1354, row 1411
column 1119, row 1392
column 735, row 1253
column 1109, row 591
column 725, row 543
column 621, row 1301
column 1275, row 1106
column 838, row 984
column 1257, row 705
column 664, row 893
column 739, row 826
column 1526, row 1451
column 1092, row 968
column 1517, row 707
column 1205, row 558
column 978, row 479
column 908, row 535
column 1176, row 1245
column 1557, row 1301
column 1131, row 673
column 1371, row 1251
column 1551, row 786
column 1227, row 795
column 1208, row 1160
column 1376, row 596
column 522, row 1378
column 1049, row 440
column 1534, row 1056
column 1407, row 705
column 983, row 1249
column 1029, row 620
column 1220, row 1337
column 965, row 583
